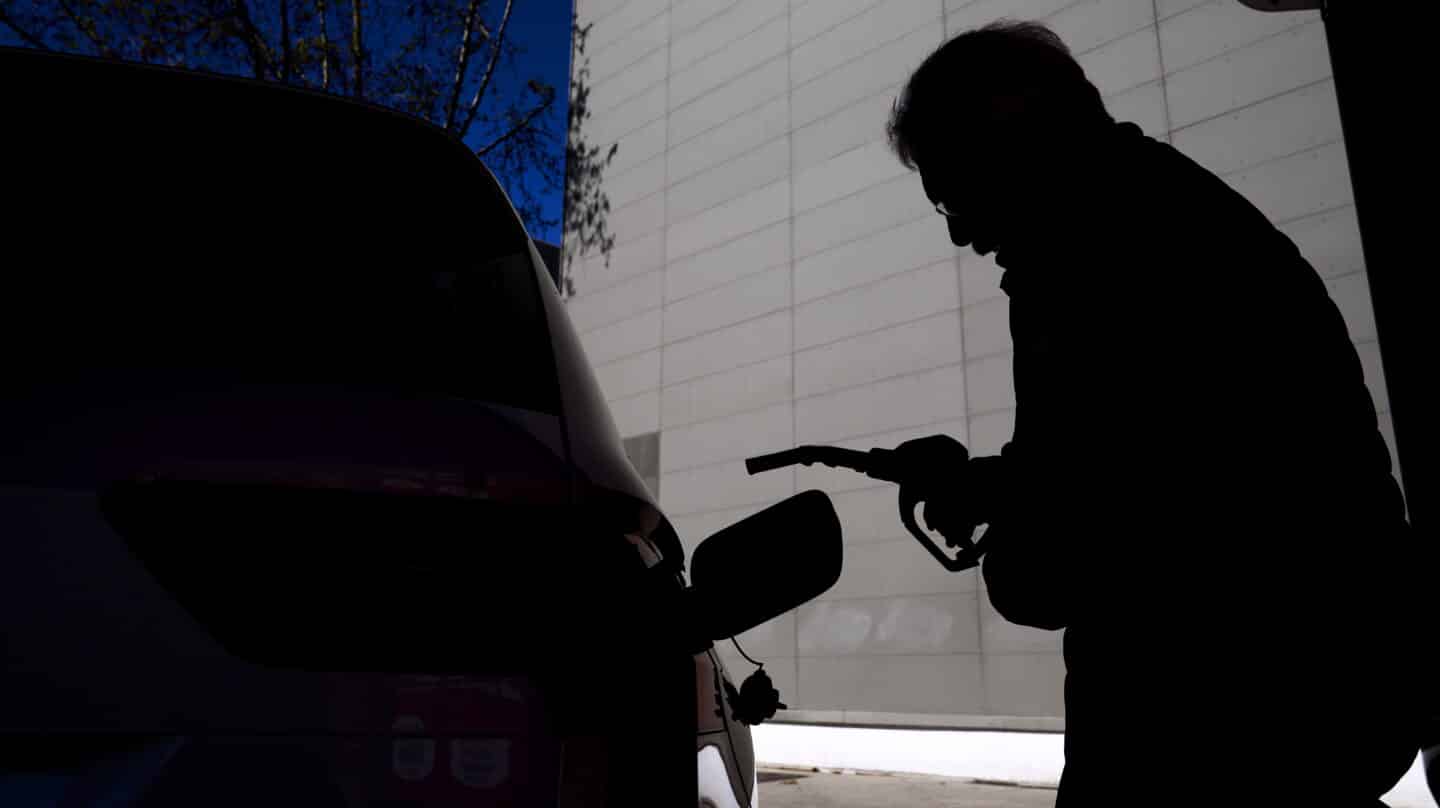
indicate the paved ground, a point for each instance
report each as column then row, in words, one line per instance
column 780, row 788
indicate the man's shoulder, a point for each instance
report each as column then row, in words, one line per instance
column 1176, row 188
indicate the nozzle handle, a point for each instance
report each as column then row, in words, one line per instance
column 852, row 459
column 770, row 462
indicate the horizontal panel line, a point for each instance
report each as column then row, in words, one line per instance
column 720, row 48
column 1253, row 43
column 879, row 654
column 1049, row 654
column 1107, row 43
column 973, row 414
column 798, row 211
column 1243, row 107
column 672, row 110
column 587, row 332
column 744, row 366
column 874, row 4
column 597, row 78
column 1342, row 276
column 1172, row 15
column 746, row 111
column 753, row 507
column 883, row 379
column 710, row 206
column 789, row 131
column 1073, row 3
column 959, row 8
column 634, row 202
column 732, row 239
column 726, row 83
column 627, row 32
column 793, row 353
column 722, row 416
column 925, row 722
column 871, row 6
column 872, row 598
column 632, row 355
column 611, row 283
column 911, row 270
column 601, row 366
column 832, row 247
column 774, row 307
column 728, row 160
column 878, row 330
column 632, row 130
column 1155, row 82
column 858, row 57
column 632, row 397
column 737, row 279
column 695, row 25
column 1314, row 215
column 822, row 251
column 790, row 177
column 874, row 45
column 980, row 357
column 746, row 321
column 1291, row 155
column 640, row 162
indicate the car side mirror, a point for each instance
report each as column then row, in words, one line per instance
column 766, row 564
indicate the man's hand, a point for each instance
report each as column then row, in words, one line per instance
column 939, row 469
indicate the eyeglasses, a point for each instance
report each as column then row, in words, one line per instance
column 945, row 211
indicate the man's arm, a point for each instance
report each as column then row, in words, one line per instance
column 1027, row 566
column 1112, row 416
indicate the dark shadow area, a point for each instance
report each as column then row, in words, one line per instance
column 1197, row 490
column 320, row 504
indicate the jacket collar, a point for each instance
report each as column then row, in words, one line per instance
column 1082, row 218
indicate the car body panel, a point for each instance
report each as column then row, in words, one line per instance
column 197, row 363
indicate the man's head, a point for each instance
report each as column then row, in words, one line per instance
column 991, row 120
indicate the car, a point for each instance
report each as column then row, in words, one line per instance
column 308, row 492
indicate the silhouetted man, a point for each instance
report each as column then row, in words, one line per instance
column 1196, row 490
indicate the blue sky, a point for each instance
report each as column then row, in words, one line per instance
column 542, row 27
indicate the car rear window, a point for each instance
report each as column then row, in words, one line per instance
column 198, row 226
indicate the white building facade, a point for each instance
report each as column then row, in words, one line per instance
column 779, row 279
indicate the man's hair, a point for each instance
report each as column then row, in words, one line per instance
column 1005, row 59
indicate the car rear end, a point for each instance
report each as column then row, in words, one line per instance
column 307, row 491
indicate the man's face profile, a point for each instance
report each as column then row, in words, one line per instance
column 968, row 189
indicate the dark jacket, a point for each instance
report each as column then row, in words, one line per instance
column 1199, row 492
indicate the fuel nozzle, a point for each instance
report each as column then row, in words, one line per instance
column 879, row 464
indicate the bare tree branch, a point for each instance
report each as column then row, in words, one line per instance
column 287, row 59
column 195, row 25
column 254, row 40
column 462, row 62
column 88, row 30
column 27, row 38
column 524, row 122
column 497, row 43
column 357, row 53
column 324, row 49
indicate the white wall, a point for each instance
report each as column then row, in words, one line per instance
column 779, row 278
